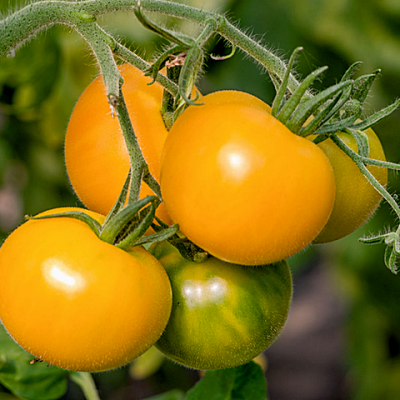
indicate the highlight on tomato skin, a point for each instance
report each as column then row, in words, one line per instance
column 356, row 199
column 96, row 156
column 223, row 315
column 242, row 186
column 77, row 302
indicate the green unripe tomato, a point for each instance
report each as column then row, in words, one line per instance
column 223, row 314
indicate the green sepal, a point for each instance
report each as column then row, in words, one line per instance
column 173, row 37
column 290, row 106
column 165, row 234
column 320, row 138
column 186, row 248
column 392, row 241
column 328, row 112
column 119, row 204
column 390, row 259
column 310, row 106
column 376, row 117
column 362, row 86
column 94, row 225
column 126, row 216
column 361, row 140
column 134, row 233
column 350, row 71
column 277, row 103
column 338, row 125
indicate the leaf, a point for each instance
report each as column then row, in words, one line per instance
column 37, row 381
column 171, row 395
column 246, row 382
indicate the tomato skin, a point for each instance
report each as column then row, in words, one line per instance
column 77, row 302
column 96, row 156
column 242, row 186
column 223, row 315
column 234, row 97
column 356, row 199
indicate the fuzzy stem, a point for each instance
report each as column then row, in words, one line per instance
column 19, row 27
column 100, row 44
column 360, row 164
column 85, row 381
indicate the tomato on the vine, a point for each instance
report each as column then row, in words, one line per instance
column 96, row 156
column 223, row 315
column 356, row 199
column 77, row 302
column 242, row 186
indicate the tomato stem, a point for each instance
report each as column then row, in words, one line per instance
column 360, row 162
column 20, row 26
column 85, row 381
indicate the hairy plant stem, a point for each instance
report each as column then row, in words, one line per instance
column 85, row 381
column 100, row 45
column 18, row 27
column 360, row 162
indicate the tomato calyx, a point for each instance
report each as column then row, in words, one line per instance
column 334, row 109
column 187, row 249
column 125, row 226
column 392, row 251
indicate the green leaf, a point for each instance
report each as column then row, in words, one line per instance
column 37, row 381
column 246, row 382
column 171, row 395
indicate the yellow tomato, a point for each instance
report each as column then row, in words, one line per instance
column 242, row 186
column 77, row 302
column 95, row 152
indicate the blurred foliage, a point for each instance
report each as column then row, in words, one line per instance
column 39, row 86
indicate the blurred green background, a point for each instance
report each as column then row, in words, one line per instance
column 342, row 340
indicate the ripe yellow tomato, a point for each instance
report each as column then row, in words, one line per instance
column 95, row 152
column 234, row 97
column 356, row 199
column 242, row 186
column 77, row 302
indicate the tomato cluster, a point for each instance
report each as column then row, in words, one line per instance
column 242, row 188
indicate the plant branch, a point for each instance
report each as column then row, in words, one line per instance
column 85, row 381
column 113, row 81
column 360, row 164
column 20, row 26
